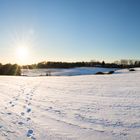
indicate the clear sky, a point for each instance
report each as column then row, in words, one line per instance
column 69, row 30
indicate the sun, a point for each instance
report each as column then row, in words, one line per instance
column 22, row 53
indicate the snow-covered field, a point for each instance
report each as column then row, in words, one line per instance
column 66, row 72
column 85, row 107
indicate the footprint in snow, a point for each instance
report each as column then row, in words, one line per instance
column 24, row 106
column 29, row 103
column 12, row 105
column 9, row 113
column 26, row 100
column 2, row 113
column 28, row 110
column 20, row 123
column 22, row 113
column 30, row 134
column 10, row 102
column 1, row 126
column 28, row 118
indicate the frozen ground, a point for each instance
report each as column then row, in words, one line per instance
column 88, row 107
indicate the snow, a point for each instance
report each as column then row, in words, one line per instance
column 66, row 72
column 85, row 107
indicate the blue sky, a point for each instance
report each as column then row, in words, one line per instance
column 70, row 30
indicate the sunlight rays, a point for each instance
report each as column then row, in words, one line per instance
column 22, row 41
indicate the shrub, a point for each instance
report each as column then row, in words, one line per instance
column 111, row 72
column 9, row 69
column 100, row 73
column 132, row 70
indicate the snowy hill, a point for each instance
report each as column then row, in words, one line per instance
column 86, row 107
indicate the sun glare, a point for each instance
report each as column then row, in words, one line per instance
column 22, row 43
column 22, row 54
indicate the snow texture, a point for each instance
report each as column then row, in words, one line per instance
column 85, row 107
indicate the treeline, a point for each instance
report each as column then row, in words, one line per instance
column 116, row 64
column 129, row 63
column 51, row 64
column 14, row 69
column 10, row 69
